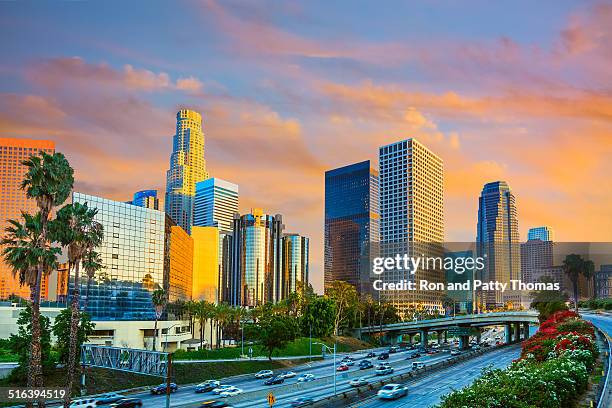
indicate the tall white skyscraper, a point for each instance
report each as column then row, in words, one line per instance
column 411, row 179
column 216, row 202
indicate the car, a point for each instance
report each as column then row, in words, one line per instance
column 358, row 382
column 365, row 364
column 384, row 369
column 392, row 391
column 128, row 403
column 393, row 349
column 486, row 345
column 497, row 343
column 476, row 347
column 417, row 365
column 231, row 392
column 342, row 367
column 84, row 403
column 215, row 404
column 161, row 388
column 288, row 374
column 109, row 398
column 371, row 354
column 207, row 386
column 301, row 401
column 264, row 374
column 306, row 377
column 350, row 362
column 222, row 388
column 431, row 352
column 277, row 379
column 383, row 356
column 455, row 352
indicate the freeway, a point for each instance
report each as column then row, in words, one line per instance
column 427, row 390
column 604, row 323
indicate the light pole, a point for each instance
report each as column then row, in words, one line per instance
column 242, row 329
column 167, row 331
column 334, row 367
column 310, row 342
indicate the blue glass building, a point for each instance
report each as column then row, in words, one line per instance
column 351, row 224
column 146, row 199
column 542, row 233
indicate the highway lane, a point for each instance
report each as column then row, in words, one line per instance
column 427, row 390
column 604, row 322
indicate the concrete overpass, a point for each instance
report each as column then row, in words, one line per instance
column 461, row 326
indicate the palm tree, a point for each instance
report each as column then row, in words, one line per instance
column 201, row 313
column 24, row 255
column 574, row 266
column 92, row 263
column 76, row 229
column 159, row 299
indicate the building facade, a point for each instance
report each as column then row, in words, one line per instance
column 216, row 202
column 180, row 254
column 351, row 224
column 497, row 239
column 187, row 168
column 13, row 201
column 535, row 254
column 603, row 280
column 411, row 179
column 146, row 198
column 256, row 259
column 295, row 263
column 542, row 233
column 205, row 263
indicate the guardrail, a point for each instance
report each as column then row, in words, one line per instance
column 604, row 398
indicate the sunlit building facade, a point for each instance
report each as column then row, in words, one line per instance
column 187, row 168
column 216, row 202
column 351, row 224
column 146, row 198
column 205, row 263
column 295, row 263
column 13, row 201
column 180, row 254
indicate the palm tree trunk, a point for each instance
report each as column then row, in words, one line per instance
column 35, row 374
column 211, row 333
column 155, row 332
column 202, row 323
column 575, row 294
column 74, row 329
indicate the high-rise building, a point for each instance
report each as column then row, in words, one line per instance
column 216, row 202
column 603, row 279
column 460, row 275
column 179, row 253
column 136, row 261
column 542, row 233
column 497, row 239
column 146, row 198
column 187, row 168
column 205, row 263
column 295, row 263
column 256, row 259
column 535, row 254
column 351, row 224
column 411, row 179
column 225, row 266
column 13, row 201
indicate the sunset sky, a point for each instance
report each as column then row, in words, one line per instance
column 518, row 91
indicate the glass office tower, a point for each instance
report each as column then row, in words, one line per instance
column 542, row 233
column 295, row 263
column 146, row 198
column 351, row 224
column 187, row 167
column 13, row 200
column 216, row 202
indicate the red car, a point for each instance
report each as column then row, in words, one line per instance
column 342, row 367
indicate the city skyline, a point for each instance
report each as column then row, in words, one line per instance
column 540, row 106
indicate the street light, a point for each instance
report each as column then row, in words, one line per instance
column 334, row 367
column 167, row 331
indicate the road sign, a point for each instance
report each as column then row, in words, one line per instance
column 271, row 399
column 459, row 331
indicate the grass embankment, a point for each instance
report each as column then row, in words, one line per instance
column 298, row 347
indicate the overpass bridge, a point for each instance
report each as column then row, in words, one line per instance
column 516, row 323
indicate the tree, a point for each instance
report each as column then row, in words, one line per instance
column 159, row 298
column 345, row 296
column 24, row 253
column 574, row 266
column 318, row 317
column 92, row 263
column 547, row 302
column 61, row 331
column 448, row 303
column 275, row 332
column 20, row 344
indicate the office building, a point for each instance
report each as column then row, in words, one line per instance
column 187, row 168
column 497, row 240
column 462, row 298
column 535, row 254
column 603, row 279
column 556, row 273
column 205, row 263
column 225, row 266
column 295, row 263
column 351, row 224
column 256, row 259
column 180, row 255
column 136, row 261
column 541, row 233
column 411, row 179
column 13, row 201
column 146, row 198
column 216, row 202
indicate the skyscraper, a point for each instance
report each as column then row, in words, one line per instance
column 146, row 198
column 411, row 217
column 13, row 200
column 497, row 239
column 295, row 263
column 205, row 263
column 351, row 224
column 257, row 259
column 187, row 167
column 541, row 233
column 216, row 202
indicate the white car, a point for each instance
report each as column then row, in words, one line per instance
column 288, row 374
column 358, row 382
column 455, row 352
column 306, row 377
column 231, row 392
column 222, row 388
column 264, row 374
column 84, row 403
column 392, row 391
